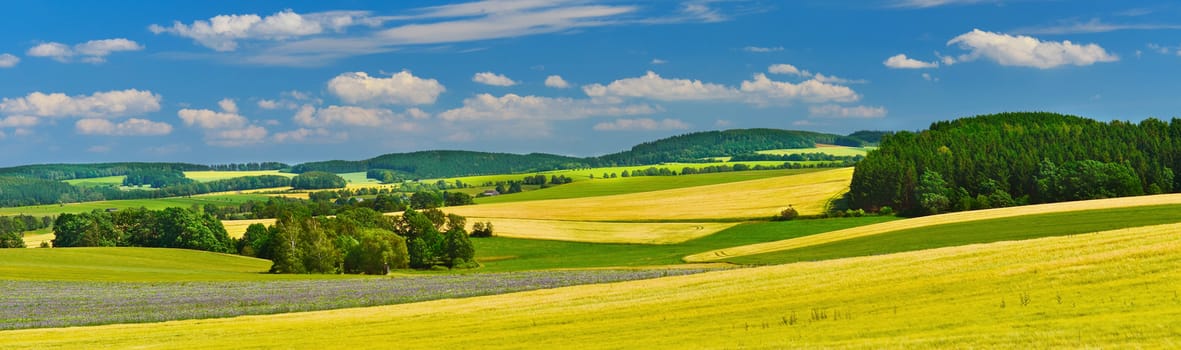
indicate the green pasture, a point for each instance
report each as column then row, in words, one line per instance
column 512, row 254
column 154, row 204
column 606, row 187
column 97, row 181
column 207, row 176
column 134, row 265
column 975, row 232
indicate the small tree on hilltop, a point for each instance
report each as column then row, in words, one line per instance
column 789, row 213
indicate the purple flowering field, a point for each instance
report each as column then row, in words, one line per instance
column 41, row 304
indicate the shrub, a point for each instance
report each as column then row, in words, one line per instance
column 787, row 214
column 886, row 210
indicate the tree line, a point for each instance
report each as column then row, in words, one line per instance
column 1017, row 158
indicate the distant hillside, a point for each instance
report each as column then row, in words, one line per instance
column 1015, row 158
column 699, row 145
column 433, row 164
column 58, row 172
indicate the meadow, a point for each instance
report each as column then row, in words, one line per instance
column 607, row 187
column 1106, row 289
column 602, row 232
column 927, row 221
column 761, row 199
column 214, row 175
column 154, row 204
column 840, row 151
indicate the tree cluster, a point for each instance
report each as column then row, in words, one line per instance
column 1015, row 158
column 12, row 229
column 168, row 228
column 156, row 178
column 249, row 166
column 315, row 180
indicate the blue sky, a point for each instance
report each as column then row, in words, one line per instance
column 293, row 81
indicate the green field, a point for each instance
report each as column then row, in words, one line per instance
column 607, row 187
column 154, row 204
column 134, row 265
column 207, row 176
column 512, row 254
column 1115, row 289
column 97, row 181
column 974, row 232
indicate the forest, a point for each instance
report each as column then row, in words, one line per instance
column 1017, row 158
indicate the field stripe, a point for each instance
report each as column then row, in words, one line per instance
column 869, row 230
column 602, row 232
column 1110, row 289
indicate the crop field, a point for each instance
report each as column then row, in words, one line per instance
column 826, row 149
column 1107, row 289
column 762, row 198
column 602, row 232
column 585, row 174
column 606, row 187
column 155, row 204
column 133, row 265
column 237, row 228
column 927, row 221
column 41, row 304
column 33, row 239
column 207, row 176
column 973, row 232
column 97, row 181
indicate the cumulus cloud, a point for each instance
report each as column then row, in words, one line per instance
column 129, row 127
column 658, row 61
column 343, row 116
column 401, row 88
column 8, row 60
column 108, row 104
column 18, row 121
column 641, row 124
column 842, row 112
column 900, row 61
column 315, row 135
column 516, row 107
column 268, row 104
column 556, row 81
column 207, row 119
column 222, row 32
column 762, row 90
column 1026, row 51
column 788, row 69
column 94, row 51
column 653, row 86
column 237, row 137
column 228, row 105
column 757, row 49
column 489, row 78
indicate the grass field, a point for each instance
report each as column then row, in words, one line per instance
column 840, row 151
column 602, row 232
column 207, row 176
column 927, row 221
column 607, row 187
column 973, row 232
column 97, row 181
column 133, row 265
column 155, row 204
column 761, row 198
column 1111, row 289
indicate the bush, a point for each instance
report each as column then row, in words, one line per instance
column 787, row 214
column 482, row 229
column 886, row 210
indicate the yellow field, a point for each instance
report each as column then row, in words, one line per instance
column 827, row 149
column 808, row 193
column 34, row 240
column 601, row 232
column 1112, row 289
column 206, row 176
column 237, row 228
column 884, row 227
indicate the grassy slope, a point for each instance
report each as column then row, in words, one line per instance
column 513, row 254
column 1109, row 289
column 155, row 204
column 130, row 265
column 607, row 187
column 927, row 221
column 737, row 200
column 833, row 150
column 972, row 232
column 207, row 176
column 97, row 181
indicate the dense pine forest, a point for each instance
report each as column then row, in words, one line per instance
column 1016, row 158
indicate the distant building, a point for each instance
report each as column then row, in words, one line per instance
column 490, row 193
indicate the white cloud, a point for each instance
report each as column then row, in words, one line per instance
column 222, row 32
column 937, row 3
column 641, row 124
column 762, row 90
column 18, row 121
column 516, row 107
column 268, row 104
column 108, row 104
column 1093, row 26
column 94, row 51
column 207, row 119
column 556, row 81
column 658, row 61
column 130, row 127
column 842, row 112
column 8, row 60
column 496, row 20
column 228, row 105
column 401, row 88
column 343, row 116
column 237, row 137
column 900, row 61
column 929, row 77
column 653, row 86
column 832, row 79
column 757, row 49
column 784, row 68
column 418, row 114
column 1025, row 51
column 489, row 78
column 316, row 135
